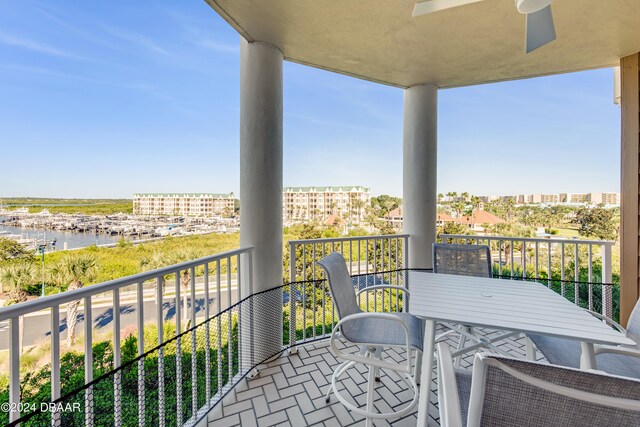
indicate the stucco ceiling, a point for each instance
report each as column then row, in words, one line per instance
column 379, row 40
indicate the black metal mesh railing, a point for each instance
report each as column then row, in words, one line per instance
column 179, row 381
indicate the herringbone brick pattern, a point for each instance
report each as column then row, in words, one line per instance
column 289, row 391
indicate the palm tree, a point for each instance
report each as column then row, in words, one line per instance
column 74, row 270
column 359, row 204
column 16, row 276
column 185, row 280
column 157, row 259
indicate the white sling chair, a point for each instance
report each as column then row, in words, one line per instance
column 506, row 392
column 466, row 260
column 372, row 332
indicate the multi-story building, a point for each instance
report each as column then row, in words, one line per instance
column 565, row 198
column 196, row 204
column 604, row 198
column 318, row 203
column 574, row 198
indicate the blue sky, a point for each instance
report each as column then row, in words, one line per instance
column 104, row 99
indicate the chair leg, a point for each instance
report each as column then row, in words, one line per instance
column 461, row 342
column 327, row 395
column 418, row 369
column 378, row 355
column 370, row 391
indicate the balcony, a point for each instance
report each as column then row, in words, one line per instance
column 193, row 344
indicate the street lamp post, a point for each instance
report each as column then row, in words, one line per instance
column 41, row 248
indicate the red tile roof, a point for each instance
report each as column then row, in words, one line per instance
column 481, row 217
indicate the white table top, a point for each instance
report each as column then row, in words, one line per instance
column 507, row 305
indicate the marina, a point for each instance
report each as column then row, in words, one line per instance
column 72, row 231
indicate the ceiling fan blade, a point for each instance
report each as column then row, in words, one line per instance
column 540, row 29
column 430, row 6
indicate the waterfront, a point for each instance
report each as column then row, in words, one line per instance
column 79, row 230
column 74, row 239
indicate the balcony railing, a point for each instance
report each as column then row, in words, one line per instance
column 364, row 254
column 571, row 267
column 182, row 382
column 179, row 376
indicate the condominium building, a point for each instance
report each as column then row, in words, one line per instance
column 574, row 198
column 604, row 198
column 318, row 203
column 563, row 198
column 195, row 204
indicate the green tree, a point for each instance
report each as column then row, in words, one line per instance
column 384, row 203
column 12, row 250
column 452, row 228
column 17, row 277
column 185, row 255
column 74, row 270
column 157, row 259
column 597, row 222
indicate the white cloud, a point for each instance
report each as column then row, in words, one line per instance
column 136, row 39
column 218, row 47
column 33, row 45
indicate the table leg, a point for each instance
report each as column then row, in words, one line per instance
column 427, row 371
column 588, row 356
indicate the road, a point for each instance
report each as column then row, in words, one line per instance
column 37, row 326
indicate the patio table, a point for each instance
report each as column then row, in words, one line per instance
column 510, row 305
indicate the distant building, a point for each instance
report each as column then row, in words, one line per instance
column 191, row 204
column 319, row 203
column 479, row 219
column 574, row 198
column 443, row 218
column 395, row 218
column 604, row 198
column 609, row 199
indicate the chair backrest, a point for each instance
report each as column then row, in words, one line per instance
column 340, row 284
column 508, row 392
column 633, row 325
column 465, row 260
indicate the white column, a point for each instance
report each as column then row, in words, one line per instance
column 261, row 186
column 419, row 164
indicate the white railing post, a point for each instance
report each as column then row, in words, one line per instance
column 55, row 360
column 88, row 361
column 117, row 379
column 14, row 370
column 607, row 291
column 292, row 304
column 141, row 375
column 160, row 323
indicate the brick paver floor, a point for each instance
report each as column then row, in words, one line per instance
column 290, row 390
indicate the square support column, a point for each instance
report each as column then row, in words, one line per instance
column 419, row 184
column 629, row 185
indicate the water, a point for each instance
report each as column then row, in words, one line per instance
column 74, row 239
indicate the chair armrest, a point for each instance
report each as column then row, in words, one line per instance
column 366, row 360
column 625, row 351
column 611, row 322
column 377, row 287
column 448, row 400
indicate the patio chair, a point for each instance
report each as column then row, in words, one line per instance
column 464, row 260
column 372, row 333
column 618, row 360
column 506, row 392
